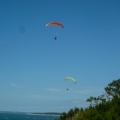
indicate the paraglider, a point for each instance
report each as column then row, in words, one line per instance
column 70, row 78
column 55, row 24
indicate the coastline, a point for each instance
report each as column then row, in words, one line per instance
column 33, row 113
column 46, row 114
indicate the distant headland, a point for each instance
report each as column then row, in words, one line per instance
column 46, row 113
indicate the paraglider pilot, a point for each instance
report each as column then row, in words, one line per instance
column 55, row 38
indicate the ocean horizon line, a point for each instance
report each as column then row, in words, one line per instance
column 34, row 113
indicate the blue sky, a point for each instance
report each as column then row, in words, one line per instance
column 33, row 65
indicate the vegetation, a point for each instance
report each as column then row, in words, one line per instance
column 103, row 107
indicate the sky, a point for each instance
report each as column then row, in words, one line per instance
column 33, row 65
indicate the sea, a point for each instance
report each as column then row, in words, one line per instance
column 26, row 116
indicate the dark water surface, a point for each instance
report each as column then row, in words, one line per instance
column 25, row 116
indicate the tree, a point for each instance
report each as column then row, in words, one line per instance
column 63, row 116
column 113, row 89
column 103, row 107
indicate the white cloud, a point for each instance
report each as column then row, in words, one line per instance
column 84, row 91
column 61, row 107
column 79, row 100
column 53, row 89
column 13, row 84
column 90, row 90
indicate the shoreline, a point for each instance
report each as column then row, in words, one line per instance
column 33, row 113
column 46, row 114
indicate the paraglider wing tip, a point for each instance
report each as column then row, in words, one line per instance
column 46, row 25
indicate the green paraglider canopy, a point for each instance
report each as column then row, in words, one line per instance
column 70, row 78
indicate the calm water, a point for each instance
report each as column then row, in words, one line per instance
column 25, row 116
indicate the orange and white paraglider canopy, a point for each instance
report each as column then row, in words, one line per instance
column 54, row 23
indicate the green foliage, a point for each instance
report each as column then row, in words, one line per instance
column 104, row 107
column 113, row 89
